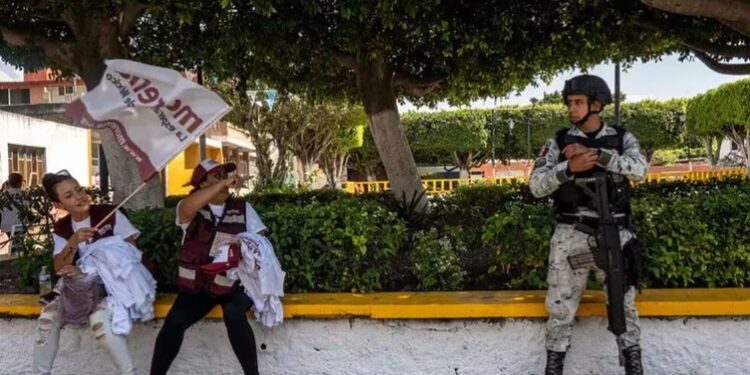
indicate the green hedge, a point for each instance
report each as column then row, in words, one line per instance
column 344, row 245
column 439, row 137
column 718, row 109
column 479, row 237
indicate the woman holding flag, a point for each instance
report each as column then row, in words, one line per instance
column 209, row 217
column 81, row 297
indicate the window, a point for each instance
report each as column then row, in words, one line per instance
column 62, row 90
column 20, row 96
column 243, row 164
column 29, row 161
column 239, row 158
column 4, row 97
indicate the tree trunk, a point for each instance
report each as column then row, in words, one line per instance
column 463, row 162
column 99, row 41
column 649, row 155
column 732, row 13
column 741, row 136
column 307, row 164
column 375, row 82
column 334, row 167
column 713, row 156
column 264, row 160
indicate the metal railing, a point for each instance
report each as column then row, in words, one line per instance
column 446, row 185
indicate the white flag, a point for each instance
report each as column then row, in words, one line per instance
column 154, row 113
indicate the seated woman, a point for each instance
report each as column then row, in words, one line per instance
column 82, row 296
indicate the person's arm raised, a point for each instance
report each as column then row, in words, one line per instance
column 191, row 204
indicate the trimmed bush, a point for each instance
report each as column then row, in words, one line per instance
column 344, row 245
column 480, row 237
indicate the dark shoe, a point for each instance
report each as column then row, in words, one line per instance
column 633, row 365
column 555, row 362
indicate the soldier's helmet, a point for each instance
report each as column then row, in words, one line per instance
column 590, row 85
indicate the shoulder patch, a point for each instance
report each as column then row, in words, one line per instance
column 545, row 150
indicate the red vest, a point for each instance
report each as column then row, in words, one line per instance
column 194, row 253
column 64, row 229
column 64, row 226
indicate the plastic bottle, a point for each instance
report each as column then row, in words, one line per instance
column 45, row 281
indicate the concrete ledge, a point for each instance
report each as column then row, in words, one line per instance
column 461, row 305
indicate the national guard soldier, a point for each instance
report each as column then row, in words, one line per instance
column 586, row 149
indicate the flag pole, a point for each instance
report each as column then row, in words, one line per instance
column 120, row 205
column 144, row 183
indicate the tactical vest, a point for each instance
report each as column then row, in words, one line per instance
column 64, row 226
column 194, row 253
column 569, row 197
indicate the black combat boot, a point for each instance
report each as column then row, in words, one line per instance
column 633, row 365
column 555, row 362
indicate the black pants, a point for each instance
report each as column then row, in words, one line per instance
column 190, row 308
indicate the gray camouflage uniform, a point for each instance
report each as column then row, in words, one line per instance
column 567, row 285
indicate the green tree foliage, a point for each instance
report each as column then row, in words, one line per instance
column 465, row 138
column 655, row 124
column 457, row 138
column 554, row 97
column 76, row 37
column 348, row 126
column 327, row 128
column 271, row 130
column 380, row 51
column 722, row 112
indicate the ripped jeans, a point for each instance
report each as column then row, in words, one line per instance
column 100, row 322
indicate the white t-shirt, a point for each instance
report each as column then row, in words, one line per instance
column 253, row 223
column 123, row 227
column 9, row 217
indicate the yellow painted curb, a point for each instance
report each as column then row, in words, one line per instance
column 460, row 305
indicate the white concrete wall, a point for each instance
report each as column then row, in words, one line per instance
column 366, row 347
column 66, row 147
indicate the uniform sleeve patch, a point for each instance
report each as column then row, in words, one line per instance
column 545, row 150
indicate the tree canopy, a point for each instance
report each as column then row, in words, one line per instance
column 464, row 138
column 376, row 51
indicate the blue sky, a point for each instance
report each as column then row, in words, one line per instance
column 8, row 73
column 661, row 80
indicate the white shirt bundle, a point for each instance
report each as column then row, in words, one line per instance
column 130, row 287
column 261, row 276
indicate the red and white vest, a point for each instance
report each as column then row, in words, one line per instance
column 64, row 226
column 199, row 236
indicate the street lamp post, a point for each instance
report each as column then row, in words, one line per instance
column 681, row 121
column 528, row 134
column 493, row 131
column 511, row 124
column 492, row 142
column 618, row 95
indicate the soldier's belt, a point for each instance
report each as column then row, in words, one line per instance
column 588, row 221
